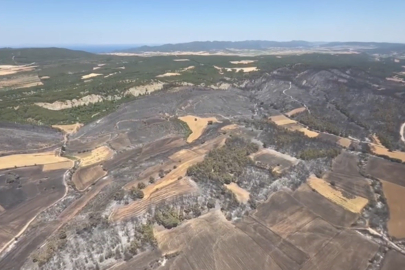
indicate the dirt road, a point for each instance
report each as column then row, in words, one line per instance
column 303, row 104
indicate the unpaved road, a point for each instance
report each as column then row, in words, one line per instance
column 303, row 104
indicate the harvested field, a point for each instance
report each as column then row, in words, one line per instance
column 13, row 69
column 326, row 209
column 58, row 166
column 22, row 81
column 243, row 62
column 350, row 202
column 345, row 176
column 69, row 129
column 85, row 177
column 270, row 159
column 347, row 250
column 168, row 74
column 345, row 142
column 197, row 125
column 386, row 170
column 395, row 195
column 95, row 156
column 295, row 111
column 282, row 120
column 91, row 75
column 297, row 240
column 393, row 261
column 382, row 151
column 241, row 194
column 24, row 160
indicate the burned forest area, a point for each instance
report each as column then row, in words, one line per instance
column 293, row 167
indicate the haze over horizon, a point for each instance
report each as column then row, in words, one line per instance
column 56, row 23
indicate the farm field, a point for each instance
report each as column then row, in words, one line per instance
column 395, row 195
column 197, row 125
column 24, row 160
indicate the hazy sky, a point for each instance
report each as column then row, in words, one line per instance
column 67, row 22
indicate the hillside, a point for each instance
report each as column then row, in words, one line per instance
column 9, row 56
column 221, row 45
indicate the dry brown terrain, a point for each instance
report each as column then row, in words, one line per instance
column 393, row 261
column 242, row 62
column 386, row 170
column 69, row 129
column 95, row 156
column 85, row 177
column 157, row 190
column 295, row 111
column 24, row 199
column 284, row 121
column 271, row 159
column 345, row 176
column 57, row 166
column 168, row 74
column 24, row 160
column 395, row 195
column 241, row 194
column 352, row 203
column 197, row 125
column 13, row 69
column 282, row 235
column 91, row 75
column 21, row 81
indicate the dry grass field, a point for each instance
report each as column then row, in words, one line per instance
column 284, row 121
column 351, row 202
column 345, row 142
column 241, row 194
column 24, row 160
column 69, row 129
column 197, row 125
column 295, row 111
column 13, row 69
column 95, row 156
column 20, row 81
column 381, row 150
column 57, row 166
column 85, row 177
column 395, row 195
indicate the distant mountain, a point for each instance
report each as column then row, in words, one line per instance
column 220, row 45
column 39, row 55
column 370, row 47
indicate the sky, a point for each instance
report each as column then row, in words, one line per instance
column 70, row 22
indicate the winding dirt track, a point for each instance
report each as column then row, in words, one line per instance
column 402, row 132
